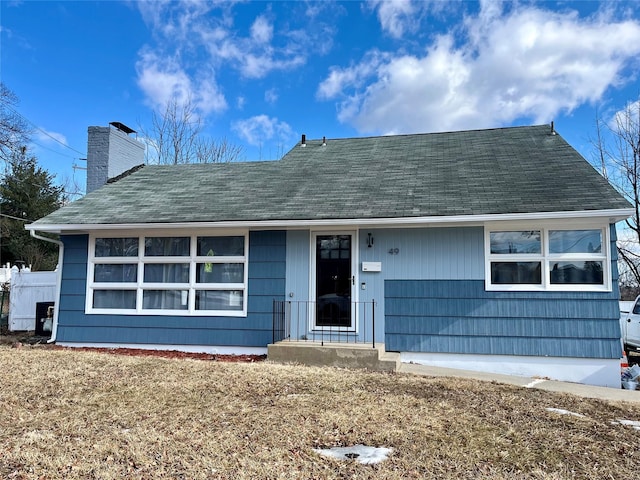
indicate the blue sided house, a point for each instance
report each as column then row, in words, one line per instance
column 489, row 249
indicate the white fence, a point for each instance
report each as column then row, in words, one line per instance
column 5, row 274
column 27, row 289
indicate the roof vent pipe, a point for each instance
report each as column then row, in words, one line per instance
column 324, row 141
column 553, row 130
column 303, row 142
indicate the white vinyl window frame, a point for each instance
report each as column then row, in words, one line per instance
column 546, row 258
column 191, row 287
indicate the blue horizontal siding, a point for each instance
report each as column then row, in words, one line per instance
column 459, row 316
column 165, row 336
column 74, row 286
column 526, row 346
column 70, row 303
column 158, row 321
column 268, row 287
column 475, row 289
column 506, row 327
column 74, row 277
column 76, row 271
column 266, row 271
column 487, row 307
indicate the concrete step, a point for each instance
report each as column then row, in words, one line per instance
column 335, row 355
column 390, row 361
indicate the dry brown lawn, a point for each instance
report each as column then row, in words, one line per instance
column 75, row 414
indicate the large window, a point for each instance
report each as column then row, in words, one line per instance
column 549, row 258
column 195, row 274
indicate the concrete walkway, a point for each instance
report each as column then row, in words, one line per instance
column 377, row 359
column 587, row 391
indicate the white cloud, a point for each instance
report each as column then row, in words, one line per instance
column 172, row 19
column 43, row 135
column 163, row 79
column 397, row 16
column 525, row 63
column 259, row 66
column 208, row 97
column 261, row 30
column 271, row 96
column 354, row 76
column 174, row 64
column 259, row 129
column 626, row 119
column 411, row 91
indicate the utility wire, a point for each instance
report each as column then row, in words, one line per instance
column 70, row 194
column 54, row 151
column 43, row 131
column 16, row 218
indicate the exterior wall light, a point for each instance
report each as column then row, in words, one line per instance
column 369, row 240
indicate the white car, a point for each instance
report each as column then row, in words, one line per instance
column 630, row 327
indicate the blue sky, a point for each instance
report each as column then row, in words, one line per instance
column 263, row 73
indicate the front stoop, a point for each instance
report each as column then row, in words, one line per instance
column 335, row 355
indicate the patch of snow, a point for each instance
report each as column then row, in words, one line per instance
column 360, row 453
column 564, row 412
column 534, row 383
column 630, row 423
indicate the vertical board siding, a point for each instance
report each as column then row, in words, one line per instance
column 267, row 255
column 459, row 316
column 426, row 253
column 298, row 268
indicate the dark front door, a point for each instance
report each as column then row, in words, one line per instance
column 334, row 281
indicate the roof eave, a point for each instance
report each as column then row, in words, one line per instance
column 612, row 216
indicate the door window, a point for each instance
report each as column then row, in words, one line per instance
column 333, row 280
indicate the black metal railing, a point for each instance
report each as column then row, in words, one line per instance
column 325, row 321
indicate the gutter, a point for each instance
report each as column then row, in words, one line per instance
column 56, row 307
column 611, row 216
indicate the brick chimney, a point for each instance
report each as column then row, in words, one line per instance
column 110, row 152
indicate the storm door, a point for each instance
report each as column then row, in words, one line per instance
column 334, row 281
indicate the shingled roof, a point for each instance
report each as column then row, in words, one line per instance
column 481, row 172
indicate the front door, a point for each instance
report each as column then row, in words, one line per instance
column 334, row 281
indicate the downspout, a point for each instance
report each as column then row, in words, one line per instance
column 56, row 306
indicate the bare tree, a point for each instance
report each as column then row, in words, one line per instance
column 617, row 154
column 176, row 136
column 14, row 130
column 629, row 287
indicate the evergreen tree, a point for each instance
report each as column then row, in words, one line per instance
column 27, row 193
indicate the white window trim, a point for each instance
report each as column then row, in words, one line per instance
column 545, row 258
column 355, row 293
column 140, row 286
